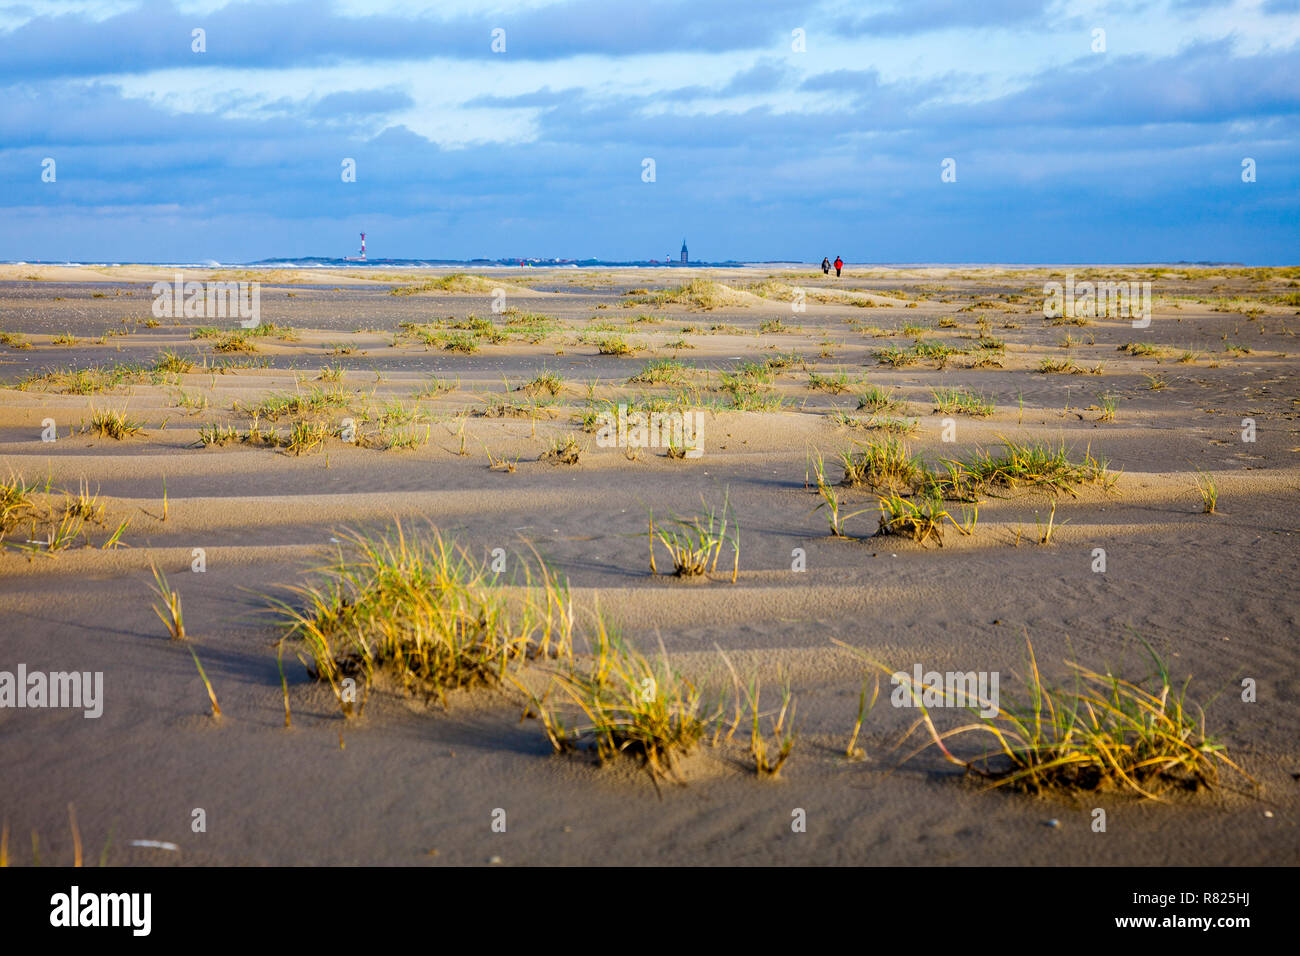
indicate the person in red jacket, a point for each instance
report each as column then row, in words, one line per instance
column 839, row 264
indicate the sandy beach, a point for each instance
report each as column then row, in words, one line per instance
column 457, row 386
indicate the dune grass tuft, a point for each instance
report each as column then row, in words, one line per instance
column 17, row 501
column 667, row 371
column 835, row 384
column 169, row 611
column 564, row 451
column 420, row 610
column 112, row 424
column 749, row 393
column 306, row 436
column 1038, row 464
column 613, row 345
column 877, row 399
column 548, row 382
column 234, row 342
column 702, row 294
column 920, row 520
column 830, row 500
column 313, row 399
column 169, row 360
column 85, row 505
column 962, row 402
column 207, row 684
column 455, row 282
column 887, row 464
column 1106, row 404
column 1209, row 492
column 214, row 434
column 769, row 759
column 852, row 751
column 695, row 544
column 1143, row 736
column 897, row 357
column 625, row 703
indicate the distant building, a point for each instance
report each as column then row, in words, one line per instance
column 685, row 255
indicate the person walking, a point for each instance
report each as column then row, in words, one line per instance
column 826, row 266
column 839, row 264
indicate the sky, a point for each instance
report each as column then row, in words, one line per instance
column 1017, row 131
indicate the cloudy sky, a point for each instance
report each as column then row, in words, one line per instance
column 1068, row 144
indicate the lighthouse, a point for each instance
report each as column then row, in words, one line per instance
column 360, row 258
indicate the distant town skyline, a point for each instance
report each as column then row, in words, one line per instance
column 1027, row 131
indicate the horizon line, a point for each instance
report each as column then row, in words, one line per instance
column 540, row 262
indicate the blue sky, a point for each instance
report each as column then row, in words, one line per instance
column 1062, row 153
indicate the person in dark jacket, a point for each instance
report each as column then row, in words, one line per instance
column 839, row 264
column 826, row 266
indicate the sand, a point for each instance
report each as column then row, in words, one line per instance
column 417, row 784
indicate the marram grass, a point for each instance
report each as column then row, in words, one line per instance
column 769, row 759
column 889, row 465
column 830, row 500
column 625, row 703
column 920, row 520
column 1037, row 465
column 695, row 544
column 421, row 610
column 1144, row 736
column 169, row 607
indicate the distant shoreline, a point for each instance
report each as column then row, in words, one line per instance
column 320, row 263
